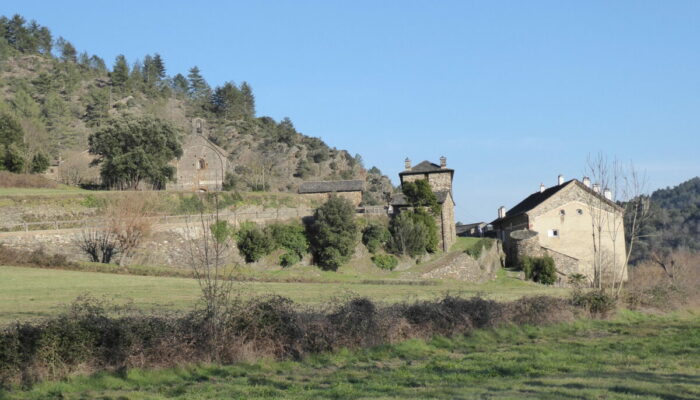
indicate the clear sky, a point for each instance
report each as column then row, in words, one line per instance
column 511, row 92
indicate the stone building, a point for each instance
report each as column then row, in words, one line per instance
column 440, row 179
column 558, row 221
column 322, row 190
column 203, row 164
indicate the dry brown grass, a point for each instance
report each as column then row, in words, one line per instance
column 667, row 282
column 11, row 180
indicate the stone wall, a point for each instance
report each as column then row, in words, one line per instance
column 354, row 197
column 448, row 231
column 202, row 166
column 438, row 180
column 462, row 267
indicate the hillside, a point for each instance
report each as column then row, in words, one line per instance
column 60, row 96
column 674, row 222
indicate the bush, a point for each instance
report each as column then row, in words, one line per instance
column 374, row 236
column 596, row 302
column 413, row 233
column 291, row 237
column 476, row 249
column 36, row 258
column 385, row 261
column 253, row 243
column 12, row 180
column 333, row 233
column 289, row 258
column 539, row 269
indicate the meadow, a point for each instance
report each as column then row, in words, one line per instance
column 632, row 356
column 27, row 293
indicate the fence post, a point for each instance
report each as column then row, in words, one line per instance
column 26, row 227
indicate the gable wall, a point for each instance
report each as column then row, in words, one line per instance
column 192, row 178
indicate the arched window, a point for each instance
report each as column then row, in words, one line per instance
column 202, row 164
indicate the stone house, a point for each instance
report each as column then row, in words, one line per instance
column 558, row 221
column 203, row 165
column 322, row 190
column 440, row 179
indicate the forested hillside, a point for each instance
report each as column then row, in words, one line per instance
column 674, row 221
column 59, row 96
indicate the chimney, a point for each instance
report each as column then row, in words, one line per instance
column 596, row 187
column 607, row 193
column 407, row 163
column 587, row 181
column 542, row 187
column 443, row 162
column 560, row 179
column 501, row 212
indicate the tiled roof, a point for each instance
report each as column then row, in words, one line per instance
column 331, row 186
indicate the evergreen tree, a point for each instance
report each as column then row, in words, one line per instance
column 132, row 150
column 198, row 87
column 98, row 64
column 159, row 66
column 68, row 52
column 248, row 100
column 10, row 130
column 333, row 234
column 12, row 159
column 39, row 164
column 227, row 101
column 179, row 84
column 120, row 72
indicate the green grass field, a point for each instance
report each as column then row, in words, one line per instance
column 34, row 292
column 632, row 357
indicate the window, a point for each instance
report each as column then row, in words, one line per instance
column 553, row 233
column 562, row 213
column 579, row 211
column 202, row 164
column 199, row 126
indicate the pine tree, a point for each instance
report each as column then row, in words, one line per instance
column 198, row 87
column 180, row 84
column 68, row 52
column 248, row 100
column 120, row 72
column 159, row 66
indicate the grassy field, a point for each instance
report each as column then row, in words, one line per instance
column 631, row 357
column 33, row 292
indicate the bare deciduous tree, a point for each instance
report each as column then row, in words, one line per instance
column 625, row 186
column 209, row 246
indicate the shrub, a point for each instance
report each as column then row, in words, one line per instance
column 333, row 233
column 291, row 237
column 413, row 233
column 253, row 243
column 36, row 258
column 385, row 261
column 289, row 258
column 12, row 180
column 476, row 249
column 539, row 269
column 374, row 236
column 597, row 302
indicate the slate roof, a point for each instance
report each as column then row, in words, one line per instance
column 423, row 167
column 331, row 186
column 538, row 198
column 400, row 200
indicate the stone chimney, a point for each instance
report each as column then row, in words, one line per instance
column 607, row 193
column 587, row 181
column 407, row 163
column 501, row 212
column 542, row 187
column 443, row 162
column 560, row 179
column 596, row 187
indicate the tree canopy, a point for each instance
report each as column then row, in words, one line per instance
column 333, row 234
column 132, row 150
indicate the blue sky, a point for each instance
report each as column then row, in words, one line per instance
column 511, row 92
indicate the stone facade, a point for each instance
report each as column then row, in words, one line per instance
column 440, row 179
column 203, row 165
column 561, row 222
column 323, row 190
column 354, row 197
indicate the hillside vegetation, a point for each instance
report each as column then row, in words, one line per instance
column 674, row 222
column 60, row 96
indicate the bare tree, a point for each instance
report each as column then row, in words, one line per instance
column 99, row 244
column 625, row 187
column 129, row 220
column 209, row 246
